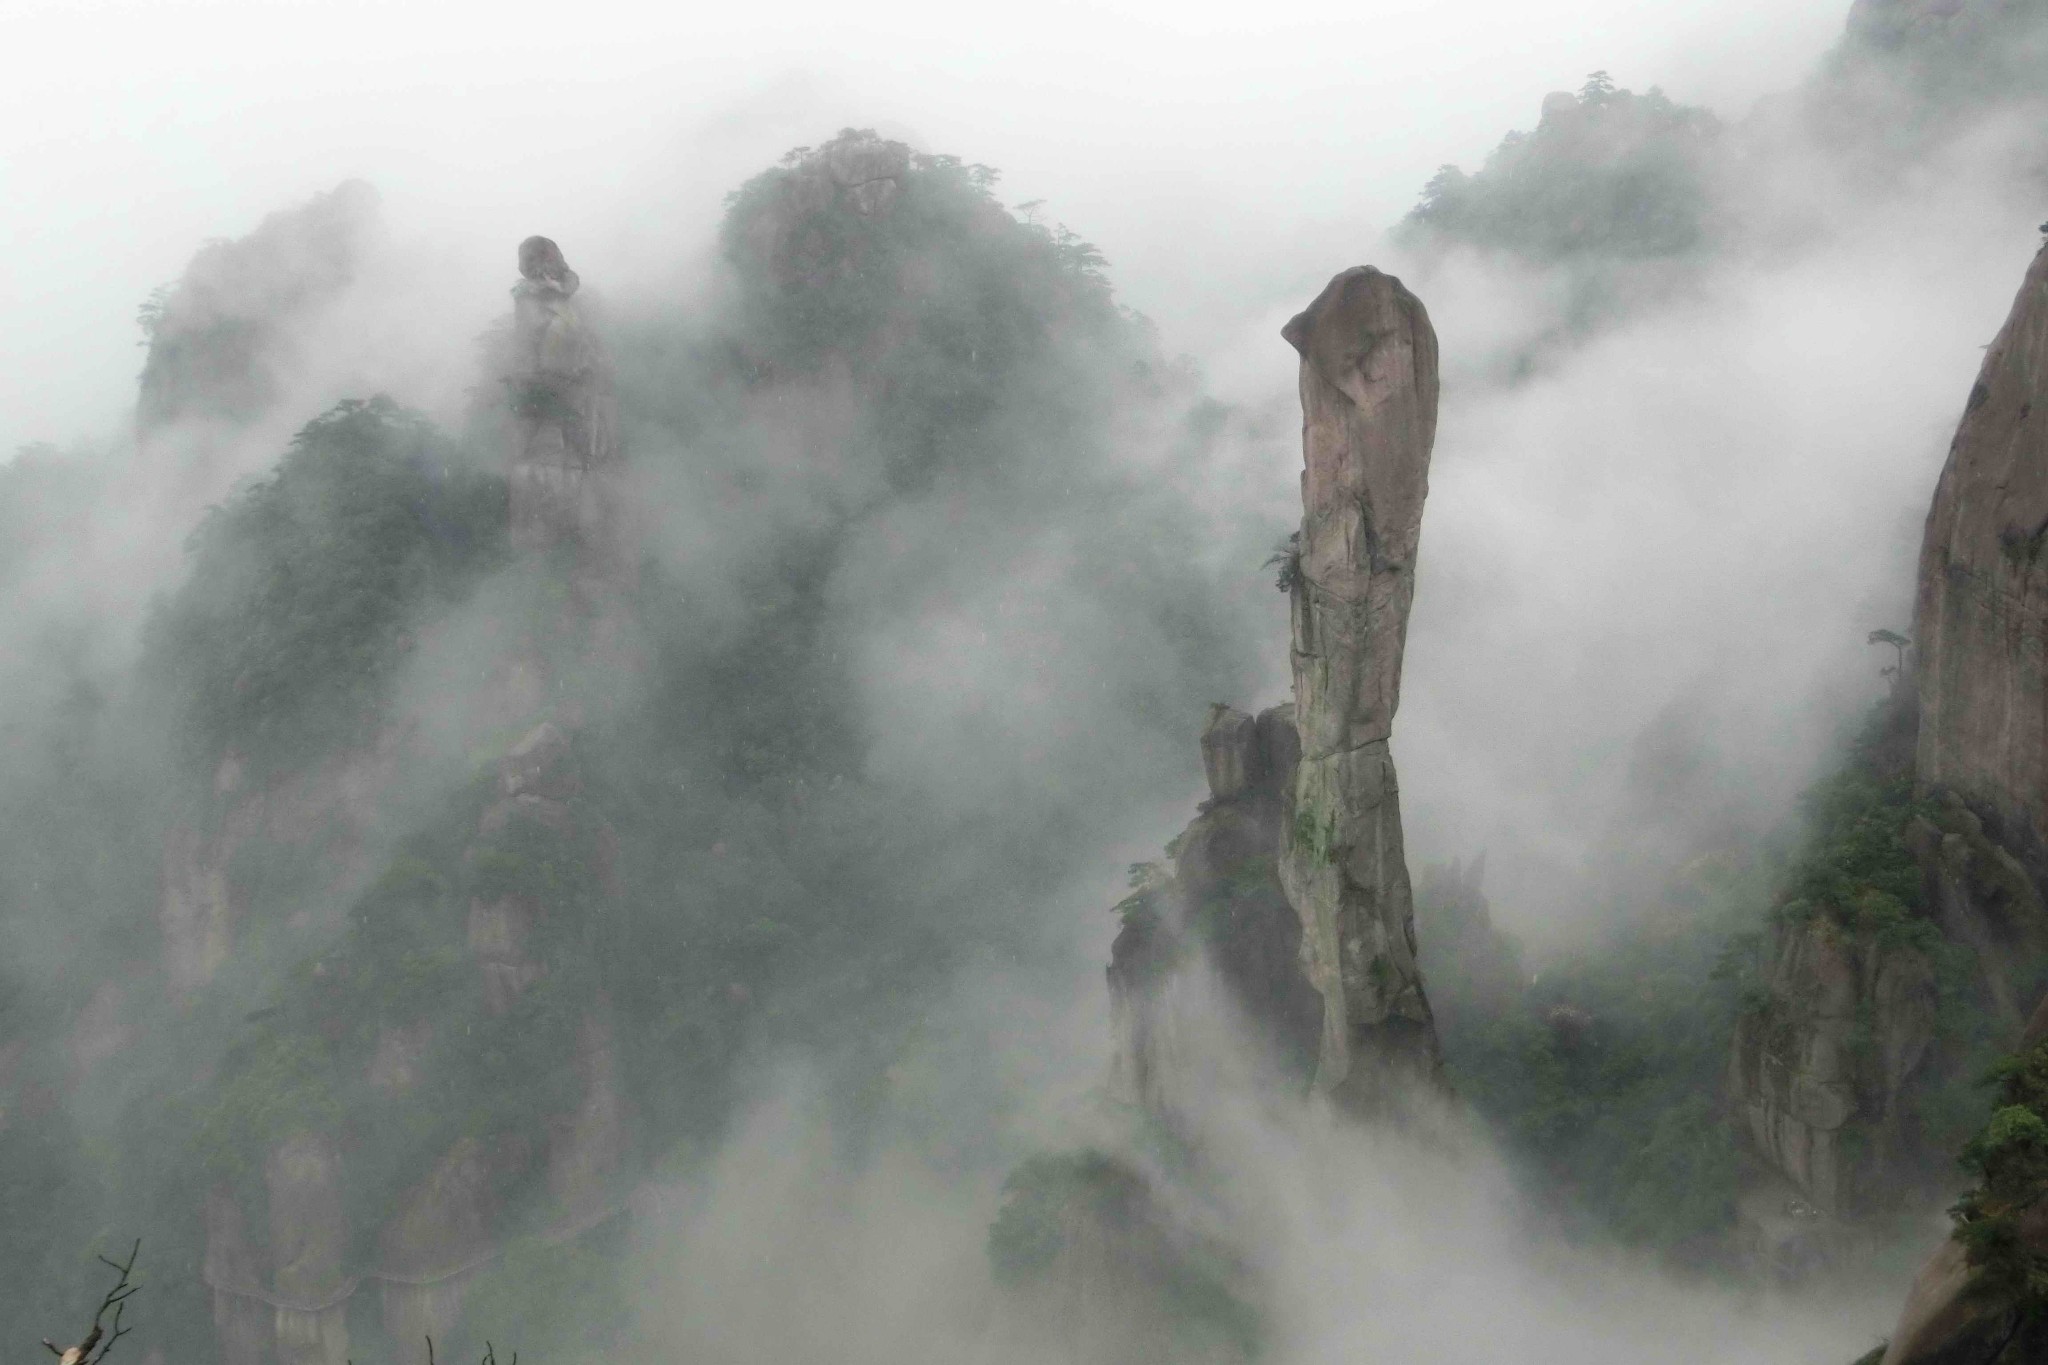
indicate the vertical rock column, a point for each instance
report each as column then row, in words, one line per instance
column 565, row 458
column 1369, row 399
column 568, row 492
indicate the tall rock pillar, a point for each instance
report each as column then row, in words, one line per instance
column 569, row 500
column 565, row 462
column 1369, row 400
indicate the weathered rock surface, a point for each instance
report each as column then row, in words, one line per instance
column 395, row 1066
column 1369, row 399
column 1847, row 1026
column 1221, row 903
column 1981, row 758
column 1981, row 619
column 1985, row 901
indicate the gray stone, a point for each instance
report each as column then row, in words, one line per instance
column 1796, row 1080
column 1230, row 752
column 1981, row 619
column 1369, row 399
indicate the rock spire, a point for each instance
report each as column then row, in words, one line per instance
column 564, row 457
column 1369, row 401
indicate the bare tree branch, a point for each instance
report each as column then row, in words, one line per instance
column 93, row 1347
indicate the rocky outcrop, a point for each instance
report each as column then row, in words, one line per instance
column 1220, row 904
column 1908, row 72
column 1981, row 618
column 1820, row 1073
column 1369, row 399
column 564, row 462
column 1985, row 901
column 1897, row 23
column 1099, row 1260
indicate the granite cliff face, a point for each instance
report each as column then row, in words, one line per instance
column 1820, row 1073
column 1981, row 618
column 1369, row 397
column 1982, row 766
column 1827, row 1072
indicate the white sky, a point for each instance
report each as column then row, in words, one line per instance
column 1218, row 153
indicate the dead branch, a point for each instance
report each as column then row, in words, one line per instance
column 93, row 1347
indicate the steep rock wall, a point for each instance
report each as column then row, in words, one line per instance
column 1981, row 626
column 1981, row 617
column 1819, row 1074
column 1369, row 398
column 1825, row 1071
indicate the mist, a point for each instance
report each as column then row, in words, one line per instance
column 897, row 688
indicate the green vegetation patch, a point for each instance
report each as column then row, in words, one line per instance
column 306, row 585
column 2001, row 1221
column 1610, row 173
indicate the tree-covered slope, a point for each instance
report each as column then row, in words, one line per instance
column 462, row 899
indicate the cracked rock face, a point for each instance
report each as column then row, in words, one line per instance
column 1369, row 401
column 1981, row 618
